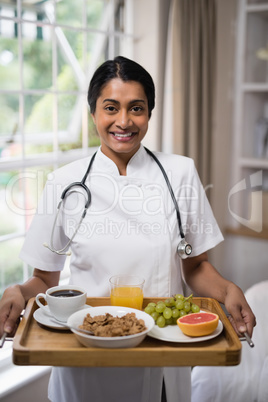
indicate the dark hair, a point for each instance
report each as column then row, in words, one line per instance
column 126, row 70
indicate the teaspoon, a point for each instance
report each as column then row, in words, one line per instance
column 84, row 331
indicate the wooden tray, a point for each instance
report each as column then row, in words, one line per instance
column 36, row 345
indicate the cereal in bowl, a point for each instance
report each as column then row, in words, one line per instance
column 109, row 326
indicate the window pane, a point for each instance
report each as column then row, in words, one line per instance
column 95, row 11
column 6, row 11
column 34, row 12
column 11, row 267
column 10, row 197
column 19, row 195
column 10, row 138
column 75, row 43
column 96, row 50
column 67, row 14
column 70, row 110
column 37, row 56
column 75, row 16
column 38, row 123
column 9, row 67
column 70, row 72
column 32, row 182
column 70, row 114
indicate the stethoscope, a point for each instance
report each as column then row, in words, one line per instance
column 184, row 249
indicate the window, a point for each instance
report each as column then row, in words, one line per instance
column 48, row 52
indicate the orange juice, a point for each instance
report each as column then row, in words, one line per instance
column 127, row 296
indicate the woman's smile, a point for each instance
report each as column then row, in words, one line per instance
column 122, row 136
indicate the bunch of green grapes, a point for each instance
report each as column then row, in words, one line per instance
column 167, row 312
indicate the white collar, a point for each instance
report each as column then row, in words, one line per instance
column 104, row 164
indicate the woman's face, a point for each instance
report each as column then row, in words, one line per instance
column 121, row 118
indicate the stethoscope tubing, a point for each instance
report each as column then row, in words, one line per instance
column 170, row 191
column 184, row 249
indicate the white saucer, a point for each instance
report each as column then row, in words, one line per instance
column 43, row 317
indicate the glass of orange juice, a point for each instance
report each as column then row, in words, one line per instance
column 127, row 291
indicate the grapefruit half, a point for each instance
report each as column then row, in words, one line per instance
column 198, row 324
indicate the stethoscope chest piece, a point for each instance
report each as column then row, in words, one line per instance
column 184, row 249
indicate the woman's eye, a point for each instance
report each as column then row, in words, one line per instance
column 137, row 109
column 110, row 108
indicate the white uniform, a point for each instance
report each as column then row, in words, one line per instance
column 130, row 227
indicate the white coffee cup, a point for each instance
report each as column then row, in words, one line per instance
column 62, row 300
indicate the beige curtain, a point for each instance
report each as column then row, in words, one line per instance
column 189, row 82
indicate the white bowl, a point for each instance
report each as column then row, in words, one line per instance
column 128, row 341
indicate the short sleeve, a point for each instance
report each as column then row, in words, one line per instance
column 33, row 251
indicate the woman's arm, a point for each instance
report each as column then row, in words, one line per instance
column 206, row 281
column 15, row 297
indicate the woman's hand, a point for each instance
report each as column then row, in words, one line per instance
column 11, row 306
column 15, row 298
column 241, row 315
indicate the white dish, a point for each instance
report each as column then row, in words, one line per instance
column 44, row 317
column 128, row 341
column 172, row 333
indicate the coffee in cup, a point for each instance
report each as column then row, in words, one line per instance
column 62, row 300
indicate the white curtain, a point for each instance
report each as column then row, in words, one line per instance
column 190, row 82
